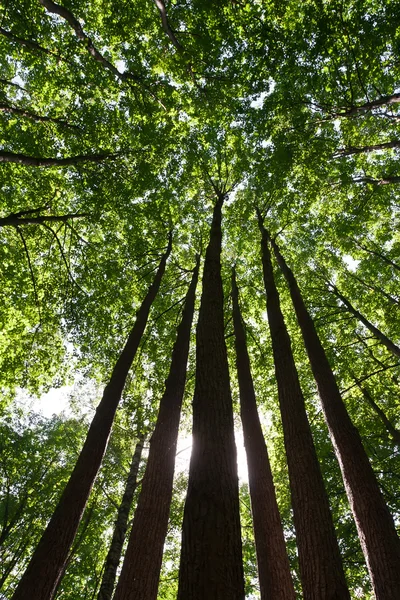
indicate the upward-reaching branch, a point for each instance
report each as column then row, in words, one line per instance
column 166, row 26
column 66, row 14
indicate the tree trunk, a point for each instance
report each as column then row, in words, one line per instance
column 45, row 568
column 142, row 563
column 273, row 563
column 121, row 525
column 377, row 332
column 321, row 568
column 211, row 556
column 391, row 429
column 375, row 525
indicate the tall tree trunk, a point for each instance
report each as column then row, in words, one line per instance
column 142, row 563
column 377, row 332
column 377, row 533
column 45, row 568
column 391, row 429
column 321, row 568
column 121, row 525
column 273, row 563
column 211, row 556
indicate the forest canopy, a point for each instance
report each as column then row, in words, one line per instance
column 199, row 224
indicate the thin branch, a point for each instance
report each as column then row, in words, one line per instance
column 31, row 272
column 166, row 26
column 35, row 117
column 15, row 220
column 33, row 161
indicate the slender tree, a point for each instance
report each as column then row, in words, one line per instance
column 391, row 346
column 379, row 540
column 391, row 429
column 273, row 563
column 321, row 568
column 115, row 551
column 46, row 566
column 142, row 563
column 211, row 555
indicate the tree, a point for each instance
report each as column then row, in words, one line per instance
column 140, row 570
column 131, row 117
column 373, row 519
column 211, row 558
column 47, row 563
column 273, row 563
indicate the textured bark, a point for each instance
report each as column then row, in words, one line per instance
column 321, row 568
column 121, row 525
column 273, row 563
column 392, row 430
column 45, row 568
column 365, row 149
column 33, row 161
column 211, row 556
column 377, row 332
column 142, row 563
column 376, row 529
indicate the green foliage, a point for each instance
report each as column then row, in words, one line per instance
column 259, row 99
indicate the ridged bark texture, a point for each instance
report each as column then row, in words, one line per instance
column 321, row 568
column 142, row 563
column 376, row 530
column 211, row 557
column 121, row 524
column 273, row 563
column 46, row 566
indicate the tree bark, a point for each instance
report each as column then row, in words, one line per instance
column 377, row 332
column 321, row 568
column 273, row 563
column 45, row 568
column 142, row 563
column 121, row 525
column 33, row 161
column 211, row 556
column 376, row 529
